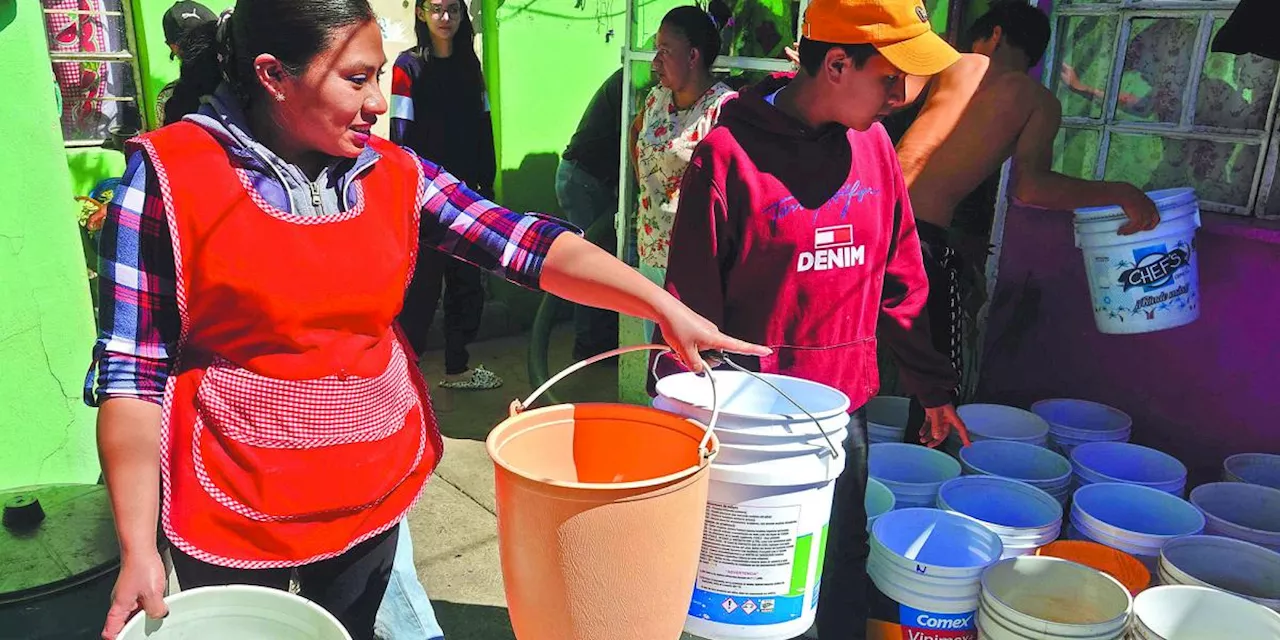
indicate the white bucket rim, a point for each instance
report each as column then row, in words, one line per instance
column 1164, row 199
column 1057, row 629
column 1022, row 448
column 1224, row 600
column 1249, row 491
column 793, row 471
column 674, row 388
column 280, row 597
column 1130, row 450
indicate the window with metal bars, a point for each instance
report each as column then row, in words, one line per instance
column 1145, row 101
column 95, row 65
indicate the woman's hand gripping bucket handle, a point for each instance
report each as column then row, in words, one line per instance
column 517, row 406
column 715, row 359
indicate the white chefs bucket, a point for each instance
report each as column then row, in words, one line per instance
column 769, row 502
column 1147, row 281
column 237, row 611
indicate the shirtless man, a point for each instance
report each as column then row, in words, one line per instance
column 976, row 114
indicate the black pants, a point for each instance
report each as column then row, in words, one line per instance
column 942, row 268
column 842, row 597
column 349, row 586
column 463, row 289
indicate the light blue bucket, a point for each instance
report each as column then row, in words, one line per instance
column 1036, row 466
column 912, row 472
column 1253, row 468
column 887, row 418
column 1129, row 463
column 1131, row 518
column 1248, row 512
column 1000, row 422
column 1024, row 517
column 878, row 501
column 1074, row 422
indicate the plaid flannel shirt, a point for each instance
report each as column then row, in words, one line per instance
column 138, row 312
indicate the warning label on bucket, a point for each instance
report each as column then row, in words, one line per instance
column 753, row 568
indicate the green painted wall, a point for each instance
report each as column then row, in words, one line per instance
column 546, row 60
column 46, row 322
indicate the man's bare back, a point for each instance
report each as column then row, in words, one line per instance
column 969, row 125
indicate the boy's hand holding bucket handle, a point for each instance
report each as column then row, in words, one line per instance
column 939, row 422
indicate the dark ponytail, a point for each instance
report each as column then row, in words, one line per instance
column 200, row 73
column 294, row 31
column 699, row 28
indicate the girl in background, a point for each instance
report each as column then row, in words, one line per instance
column 440, row 110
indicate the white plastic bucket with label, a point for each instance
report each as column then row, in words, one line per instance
column 769, row 502
column 926, row 566
column 1148, row 281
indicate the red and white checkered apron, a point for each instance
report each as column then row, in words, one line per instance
column 295, row 423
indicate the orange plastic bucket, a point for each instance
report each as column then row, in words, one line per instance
column 600, row 515
column 1126, row 569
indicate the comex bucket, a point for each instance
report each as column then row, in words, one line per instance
column 600, row 513
column 1242, row 511
column 1198, row 613
column 1129, row 463
column 1235, row 566
column 1043, row 598
column 887, row 418
column 1253, row 468
column 1134, row 519
column 1036, row 466
column 912, row 472
column 1075, row 422
column 1148, row 281
column 1024, row 517
column 926, row 565
column 237, row 611
column 769, row 504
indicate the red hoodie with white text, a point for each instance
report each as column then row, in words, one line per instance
column 803, row 240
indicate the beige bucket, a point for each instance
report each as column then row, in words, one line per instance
column 600, row 515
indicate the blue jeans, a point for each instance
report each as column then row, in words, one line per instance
column 406, row 612
column 585, row 199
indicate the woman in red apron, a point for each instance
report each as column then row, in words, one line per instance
column 257, row 400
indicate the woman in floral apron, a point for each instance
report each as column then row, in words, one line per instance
column 676, row 116
column 258, row 401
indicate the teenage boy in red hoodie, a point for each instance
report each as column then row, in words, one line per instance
column 794, row 230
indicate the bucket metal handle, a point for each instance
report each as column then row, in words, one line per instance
column 719, row 357
column 517, row 406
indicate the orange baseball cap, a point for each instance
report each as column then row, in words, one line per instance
column 898, row 29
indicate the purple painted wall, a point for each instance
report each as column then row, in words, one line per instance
column 1199, row 392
